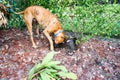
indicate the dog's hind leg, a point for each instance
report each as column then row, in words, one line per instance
column 36, row 25
column 37, row 30
column 28, row 21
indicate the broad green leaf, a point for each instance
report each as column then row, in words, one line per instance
column 44, row 76
column 67, row 75
column 62, row 68
column 71, row 76
column 48, row 58
column 50, row 70
column 39, row 66
column 36, row 68
column 32, row 72
column 54, row 75
column 53, row 63
column 62, row 74
column 39, row 78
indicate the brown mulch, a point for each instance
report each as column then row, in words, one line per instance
column 96, row 59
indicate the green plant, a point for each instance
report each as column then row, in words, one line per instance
column 14, row 20
column 93, row 20
column 89, row 17
column 50, row 70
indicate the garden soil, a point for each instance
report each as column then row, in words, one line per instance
column 96, row 59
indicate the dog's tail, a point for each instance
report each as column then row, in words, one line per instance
column 22, row 12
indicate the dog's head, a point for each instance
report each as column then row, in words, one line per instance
column 3, row 20
column 59, row 37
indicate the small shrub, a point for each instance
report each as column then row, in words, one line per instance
column 93, row 20
column 50, row 70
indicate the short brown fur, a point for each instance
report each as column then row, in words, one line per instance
column 49, row 22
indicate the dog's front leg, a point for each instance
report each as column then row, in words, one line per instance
column 50, row 39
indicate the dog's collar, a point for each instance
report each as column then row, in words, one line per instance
column 58, row 32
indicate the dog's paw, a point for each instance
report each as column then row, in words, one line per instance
column 56, row 52
column 34, row 46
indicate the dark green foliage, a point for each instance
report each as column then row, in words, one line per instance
column 89, row 17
